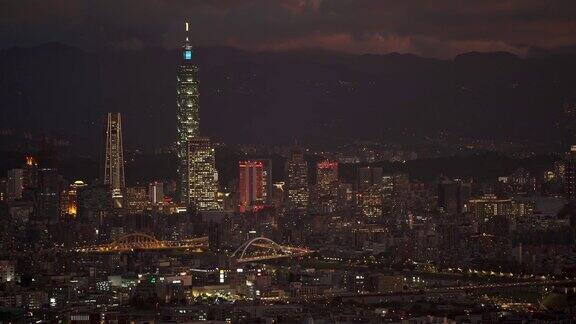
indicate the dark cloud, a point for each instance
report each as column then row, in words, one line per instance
column 440, row 28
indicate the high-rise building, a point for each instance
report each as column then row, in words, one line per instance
column 250, row 185
column 570, row 175
column 396, row 193
column 3, row 189
column 369, row 176
column 113, row 166
column 30, row 173
column 15, row 184
column 297, row 184
column 278, row 193
column 371, row 203
column 7, row 271
column 137, row 200
column 490, row 206
column 327, row 186
column 202, row 176
column 49, row 184
column 94, row 203
column 188, row 122
column 69, row 199
column 267, row 186
column 568, row 123
column 326, row 176
column 453, row 195
column 156, row 192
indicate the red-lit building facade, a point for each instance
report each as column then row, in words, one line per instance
column 251, row 185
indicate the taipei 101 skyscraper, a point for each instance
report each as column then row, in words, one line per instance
column 187, row 113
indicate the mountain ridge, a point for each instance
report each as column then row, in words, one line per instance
column 318, row 96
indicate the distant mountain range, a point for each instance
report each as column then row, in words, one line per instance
column 315, row 96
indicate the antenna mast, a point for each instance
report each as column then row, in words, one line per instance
column 187, row 30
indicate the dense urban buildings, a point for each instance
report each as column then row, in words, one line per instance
column 440, row 228
column 15, row 184
column 369, row 177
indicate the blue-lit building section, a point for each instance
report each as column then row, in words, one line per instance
column 187, row 54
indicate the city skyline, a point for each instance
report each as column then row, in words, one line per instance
column 225, row 185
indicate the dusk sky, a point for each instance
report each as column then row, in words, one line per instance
column 441, row 28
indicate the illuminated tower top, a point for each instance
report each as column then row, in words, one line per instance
column 187, row 48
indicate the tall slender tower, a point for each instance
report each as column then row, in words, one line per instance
column 113, row 166
column 187, row 114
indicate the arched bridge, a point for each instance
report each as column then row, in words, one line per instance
column 140, row 241
column 262, row 248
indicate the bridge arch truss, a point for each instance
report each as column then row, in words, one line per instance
column 141, row 241
column 279, row 251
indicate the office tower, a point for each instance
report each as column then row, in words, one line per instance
column 137, row 200
column 297, row 184
column 49, row 184
column 250, row 185
column 15, row 185
column 371, row 203
column 326, row 185
column 7, row 271
column 113, row 166
column 188, row 122
column 401, row 184
column 369, row 176
column 392, row 201
column 377, row 198
column 30, row 173
column 568, row 123
column 202, row 177
column 156, row 192
column 278, row 193
column 396, row 200
column 69, row 199
column 326, row 176
column 453, row 195
column 570, row 175
column 491, row 206
column 3, row 189
column 94, row 203
column 267, row 186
